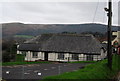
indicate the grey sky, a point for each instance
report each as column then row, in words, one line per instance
column 56, row 12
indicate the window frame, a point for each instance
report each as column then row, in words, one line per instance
column 34, row 54
column 61, row 56
column 75, row 57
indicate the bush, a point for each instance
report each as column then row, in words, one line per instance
column 19, row 58
column 116, row 63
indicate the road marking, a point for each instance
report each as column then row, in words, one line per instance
column 36, row 71
column 30, row 65
column 7, row 72
column 53, row 67
column 45, row 69
column 26, row 73
column 39, row 74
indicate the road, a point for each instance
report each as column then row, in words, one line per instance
column 38, row 71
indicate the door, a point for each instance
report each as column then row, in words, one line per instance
column 46, row 56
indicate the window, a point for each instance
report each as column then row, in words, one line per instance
column 89, row 57
column 75, row 57
column 35, row 55
column 61, row 56
column 24, row 53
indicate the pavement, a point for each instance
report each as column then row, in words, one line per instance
column 38, row 71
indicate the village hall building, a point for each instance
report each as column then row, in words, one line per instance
column 62, row 47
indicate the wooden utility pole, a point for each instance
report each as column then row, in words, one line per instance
column 109, row 46
column 109, row 35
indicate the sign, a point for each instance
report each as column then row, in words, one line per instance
column 115, row 44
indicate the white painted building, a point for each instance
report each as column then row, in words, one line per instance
column 35, row 56
column 117, row 34
column 57, row 47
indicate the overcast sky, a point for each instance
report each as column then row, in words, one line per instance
column 56, row 12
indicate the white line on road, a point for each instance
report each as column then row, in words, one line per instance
column 26, row 73
column 39, row 74
column 53, row 67
column 36, row 71
column 7, row 72
column 45, row 69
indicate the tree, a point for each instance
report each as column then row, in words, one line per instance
column 9, row 49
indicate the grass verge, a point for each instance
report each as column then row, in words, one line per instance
column 83, row 62
column 20, row 61
column 97, row 72
column 19, row 58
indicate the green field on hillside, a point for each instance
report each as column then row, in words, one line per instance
column 24, row 36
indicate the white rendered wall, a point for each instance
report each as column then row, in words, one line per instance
column 103, row 54
column 117, row 38
column 18, row 52
column 54, row 57
column 29, row 56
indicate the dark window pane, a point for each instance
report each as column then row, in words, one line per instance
column 89, row 57
column 61, row 56
column 35, row 55
column 75, row 56
column 24, row 53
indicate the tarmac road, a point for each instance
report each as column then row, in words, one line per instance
column 38, row 71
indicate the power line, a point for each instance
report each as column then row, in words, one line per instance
column 104, row 13
column 95, row 11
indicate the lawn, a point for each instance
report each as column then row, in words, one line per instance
column 83, row 62
column 20, row 61
column 97, row 71
column 19, row 58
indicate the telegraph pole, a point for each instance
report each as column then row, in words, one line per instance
column 109, row 46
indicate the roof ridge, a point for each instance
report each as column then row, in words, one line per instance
column 73, row 34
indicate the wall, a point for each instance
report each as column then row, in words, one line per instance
column 29, row 56
column 103, row 54
column 18, row 52
column 67, row 57
column 117, row 38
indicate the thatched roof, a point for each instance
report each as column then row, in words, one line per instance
column 29, row 47
column 65, row 43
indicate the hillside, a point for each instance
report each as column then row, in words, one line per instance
column 11, row 29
